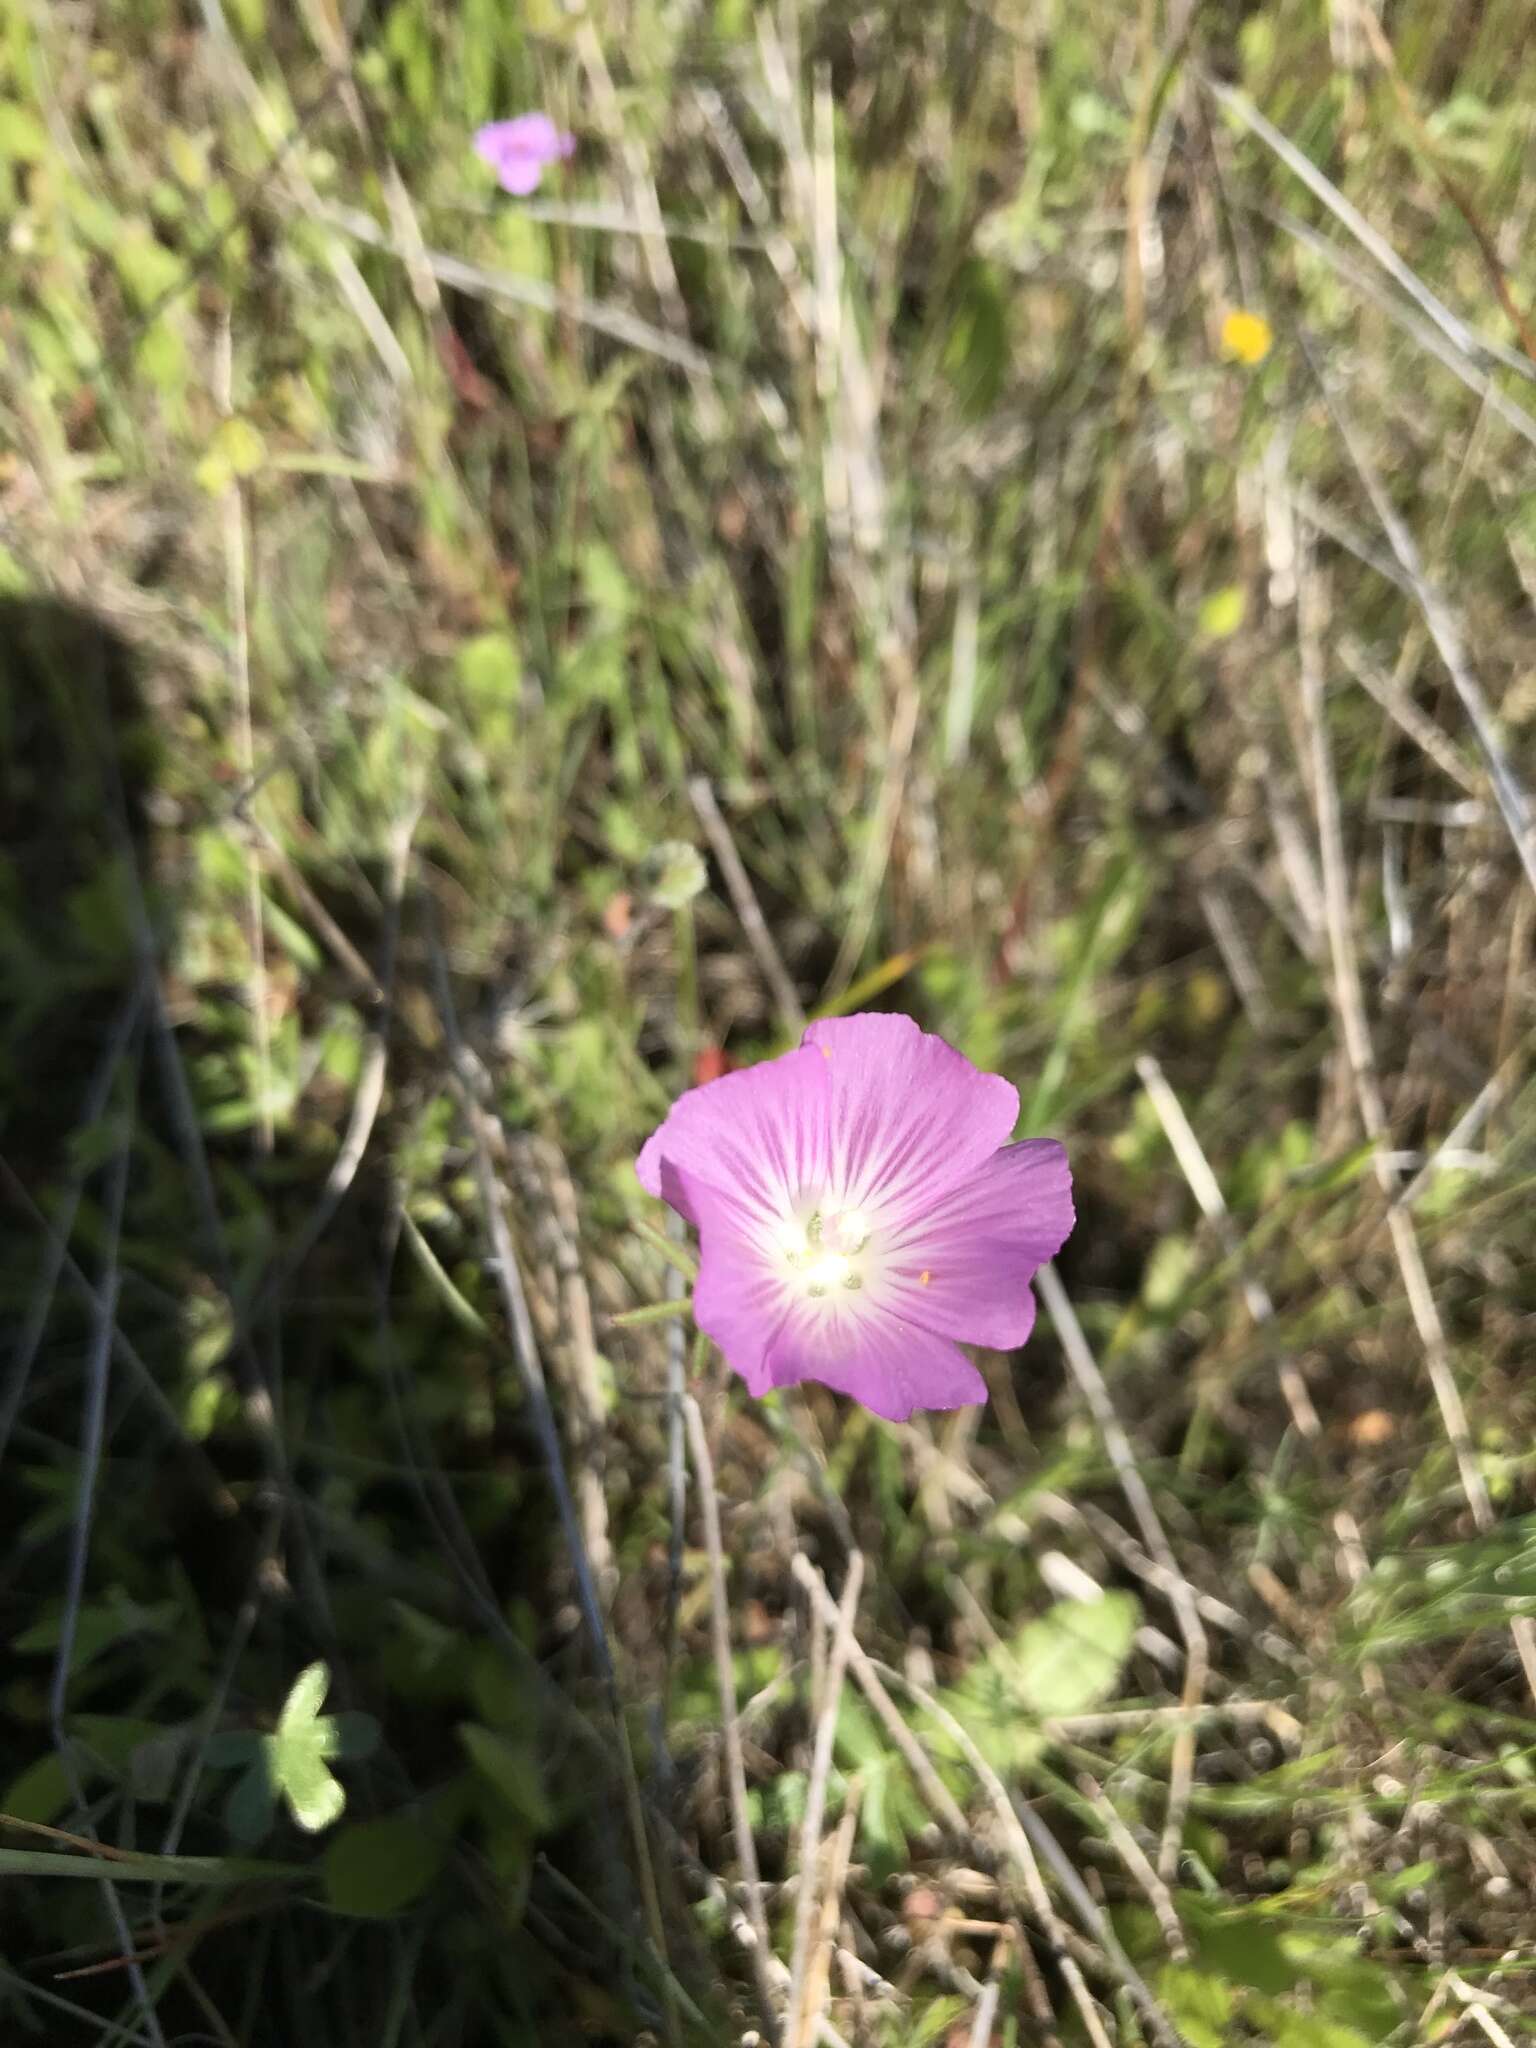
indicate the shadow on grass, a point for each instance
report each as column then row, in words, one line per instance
column 245, row 1431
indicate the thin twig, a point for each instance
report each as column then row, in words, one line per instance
column 1020, row 1853
column 1452, row 187
column 233, row 515
column 1404, row 713
column 1096, row 1924
column 368, row 1096
column 882, row 830
column 838, row 1856
column 529, row 294
column 543, row 1180
column 748, row 911
column 1080, row 1728
column 1349, row 1000
column 1181, row 1594
column 826, row 248
column 623, row 137
column 340, row 947
column 1207, row 1192
column 1375, row 244
column 602, row 217
column 775, row 244
column 1478, row 381
column 1139, row 1864
column 942, row 1803
column 286, row 168
column 57, row 1228
column 1130, row 1553
column 725, row 1677
column 677, row 1464
column 1237, row 956
column 816, row 1791
column 97, row 1380
column 195, row 1459
column 1461, row 1134
column 507, row 1273
column 509, row 1280
column 986, row 2005
column 1444, row 630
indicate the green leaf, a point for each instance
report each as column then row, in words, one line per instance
column 675, row 873
column 231, row 1747
column 100, row 1627
column 154, row 1764
column 608, row 588
column 210, row 1325
column 1287, row 2028
column 41, row 1793
column 377, row 1867
column 490, row 669
column 1199, row 2004
column 236, row 450
column 23, row 138
column 252, row 1801
column 1239, row 1943
column 977, row 347
column 350, row 1736
column 513, row 1768
column 1069, row 1661
column 207, row 1870
column 291, row 936
column 1167, row 1271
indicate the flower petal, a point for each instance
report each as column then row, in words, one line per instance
column 980, row 1246
column 519, row 174
column 868, row 1352
column 774, row 1337
column 517, row 150
column 739, row 1299
column 911, row 1117
column 759, row 1138
column 532, row 135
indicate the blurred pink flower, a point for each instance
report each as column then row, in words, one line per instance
column 518, row 150
column 859, row 1209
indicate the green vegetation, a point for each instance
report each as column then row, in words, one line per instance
column 846, row 480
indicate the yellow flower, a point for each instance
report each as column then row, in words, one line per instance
column 1247, row 336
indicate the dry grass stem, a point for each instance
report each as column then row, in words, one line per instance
column 725, row 1679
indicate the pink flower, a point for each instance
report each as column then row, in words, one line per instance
column 859, row 1208
column 518, row 150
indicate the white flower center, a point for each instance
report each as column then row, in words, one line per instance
column 826, row 1250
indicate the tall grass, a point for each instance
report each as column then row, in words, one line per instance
column 471, row 664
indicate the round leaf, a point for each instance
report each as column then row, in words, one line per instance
column 377, row 1867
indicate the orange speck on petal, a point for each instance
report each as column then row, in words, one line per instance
column 825, row 1051
column 924, row 1277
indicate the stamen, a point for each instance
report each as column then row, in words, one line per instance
column 791, row 1241
column 822, row 1250
column 832, row 1270
column 853, row 1230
